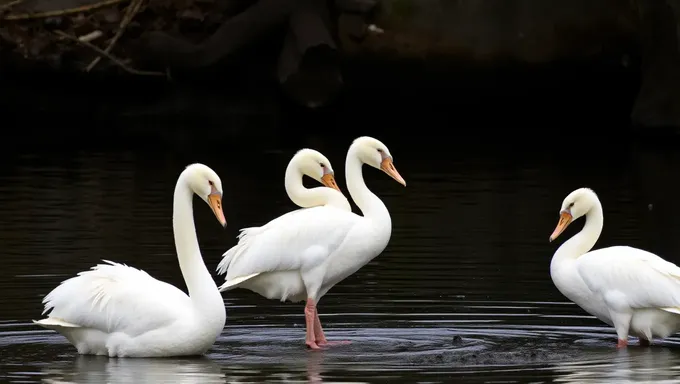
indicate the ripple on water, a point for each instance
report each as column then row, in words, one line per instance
column 449, row 345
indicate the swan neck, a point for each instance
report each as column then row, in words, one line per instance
column 311, row 197
column 200, row 283
column 585, row 240
column 369, row 204
column 297, row 192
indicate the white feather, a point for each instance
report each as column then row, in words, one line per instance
column 305, row 162
column 645, row 279
column 304, row 253
column 113, row 298
column 116, row 310
column 300, row 241
column 633, row 290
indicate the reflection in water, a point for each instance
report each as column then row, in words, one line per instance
column 101, row 369
column 462, row 292
column 632, row 365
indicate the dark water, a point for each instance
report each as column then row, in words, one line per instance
column 461, row 294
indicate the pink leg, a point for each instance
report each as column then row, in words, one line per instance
column 645, row 342
column 321, row 337
column 318, row 331
column 310, row 315
column 622, row 344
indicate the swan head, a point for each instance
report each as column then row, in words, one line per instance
column 374, row 153
column 575, row 205
column 315, row 165
column 204, row 182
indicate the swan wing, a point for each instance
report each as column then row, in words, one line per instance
column 249, row 233
column 299, row 240
column 645, row 279
column 114, row 297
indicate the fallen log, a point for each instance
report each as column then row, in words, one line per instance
column 245, row 28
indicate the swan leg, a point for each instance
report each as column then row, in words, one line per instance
column 318, row 330
column 321, row 337
column 622, row 324
column 621, row 315
column 310, row 318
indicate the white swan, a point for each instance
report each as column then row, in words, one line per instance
column 323, row 245
column 117, row 310
column 633, row 290
column 315, row 165
column 305, row 162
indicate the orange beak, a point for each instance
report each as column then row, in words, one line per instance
column 388, row 168
column 215, row 202
column 565, row 220
column 329, row 181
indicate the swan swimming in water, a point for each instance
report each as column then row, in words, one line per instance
column 121, row 311
column 307, row 253
column 633, row 290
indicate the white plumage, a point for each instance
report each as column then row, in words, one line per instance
column 301, row 242
column 116, row 310
column 303, row 254
column 115, row 296
column 307, row 162
column 633, row 290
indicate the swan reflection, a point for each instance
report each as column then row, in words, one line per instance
column 101, row 369
column 656, row 364
column 307, row 368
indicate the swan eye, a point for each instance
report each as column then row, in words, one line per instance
column 571, row 205
column 211, row 183
column 380, row 150
column 322, row 165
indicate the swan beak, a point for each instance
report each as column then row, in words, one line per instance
column 565, row 220
column 329, row 181
column 215, row 202
column 388, row 168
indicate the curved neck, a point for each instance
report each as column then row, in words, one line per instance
column 310, row 197
column 583, row 241
column 369, row 204
column 196, row 276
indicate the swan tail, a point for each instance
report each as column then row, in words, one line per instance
column 54, row 323
column 235, row 251
column 234, row 283
column 226, row 260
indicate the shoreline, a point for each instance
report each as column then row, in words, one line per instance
column 316, row 53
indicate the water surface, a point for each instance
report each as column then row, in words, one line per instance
column 462, row 293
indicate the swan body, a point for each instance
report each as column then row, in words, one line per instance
column 315, row 165
column 323, row 245
column 635, row 291
column 120, row 311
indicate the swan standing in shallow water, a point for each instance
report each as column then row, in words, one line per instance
column 305, row 162
column 303, row 258
column 633, row 290
column 315, row 165
column 117, row 310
